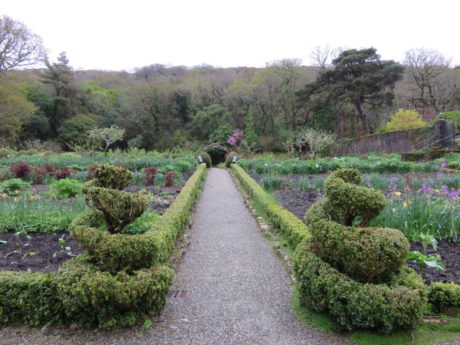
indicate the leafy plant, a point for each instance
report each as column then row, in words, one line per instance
column 21, row 170
column 425, row 261
column 13, row 186
column 404, row 119
column 65, row 188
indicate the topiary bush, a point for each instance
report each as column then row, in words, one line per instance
column 229, row 158
column 206, row 159
column 353, row 272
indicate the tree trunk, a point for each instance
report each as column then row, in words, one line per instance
column 363, row 117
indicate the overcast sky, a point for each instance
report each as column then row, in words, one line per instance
column 121, row 35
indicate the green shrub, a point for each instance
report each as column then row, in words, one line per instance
column 118, row 208
column 368, row 255
column 206, row 158
column 443, row 296
column 65, row 188
column 29, row 297
column 229, row 158
column 117, row 252
column 112, row 177
column 13, row 186
column 346, row 201
column 356, row 274
column 91, row 296
column 404, row 119
column 353, row 305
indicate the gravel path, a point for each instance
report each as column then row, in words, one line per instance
column 236, row 290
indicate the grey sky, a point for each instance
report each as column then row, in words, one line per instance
column 116, row 35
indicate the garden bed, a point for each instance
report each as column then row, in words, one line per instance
column 36, row 252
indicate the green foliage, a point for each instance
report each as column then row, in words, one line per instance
column 229, row 158
column 65, row 188
column 13, row 186
column 356, row 274
column 206, row 158
column 91, row 296
column 372, row 164
column 368, row 255
column 103, row 138
column 111, row 177
column 73, row 131
column 117, row 252
column 382, row 307
column 359, row 78
column 346, row 200
column 212, row 121
column 312, row 141
column 30, row 214
column 29, row 297
column 421, row 214
column 404, row 119
column 104, row 194
column 444, row 296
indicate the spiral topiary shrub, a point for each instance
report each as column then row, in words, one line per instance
column 356, row 273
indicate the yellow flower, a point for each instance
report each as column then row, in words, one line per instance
column 397, row 193
column 436, row 190
column 405, row 204
column 32, row 197
column 394, row 210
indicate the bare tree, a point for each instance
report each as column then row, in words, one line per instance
column 323, row 56
column 18, row 45
column 427, row 69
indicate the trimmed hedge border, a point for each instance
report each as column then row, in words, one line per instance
column 292, row 227
column 82, row 292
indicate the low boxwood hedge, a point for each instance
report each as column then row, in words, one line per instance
column 292, row 227
column 96, row 297
column 443, row 296
column 29, row 297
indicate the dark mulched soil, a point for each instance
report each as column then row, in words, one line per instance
column 36, row 252
column 299, row 201
column 450, row 256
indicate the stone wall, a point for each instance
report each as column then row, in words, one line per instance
column 441, row 134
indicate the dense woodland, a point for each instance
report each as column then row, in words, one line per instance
column 349, row 93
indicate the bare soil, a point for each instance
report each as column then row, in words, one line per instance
column 36, row 252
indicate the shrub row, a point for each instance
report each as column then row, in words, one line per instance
column 291, row 227
column 115, row 293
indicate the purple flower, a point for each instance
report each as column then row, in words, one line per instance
column 426, row 188
column 443, row 164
